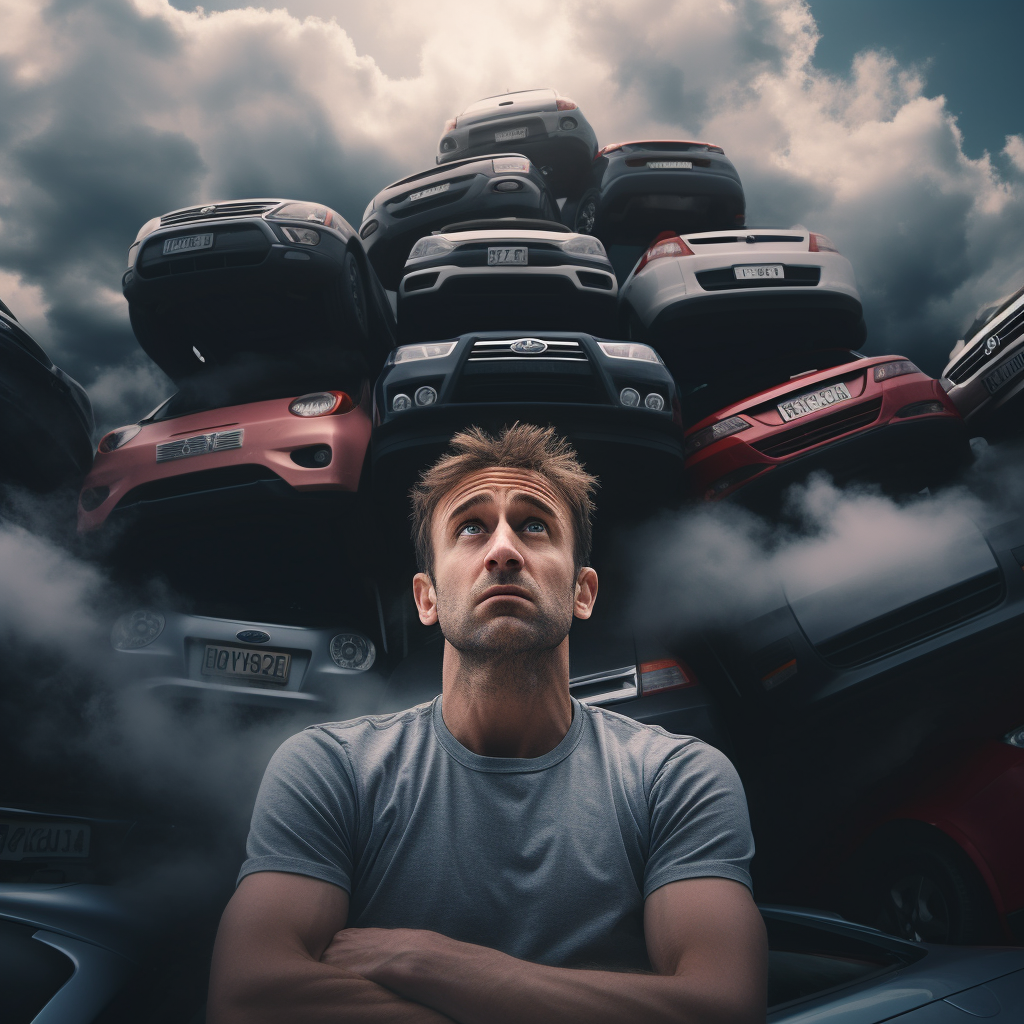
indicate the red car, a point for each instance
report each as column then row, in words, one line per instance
column 875, row 418
column 280, row 444
column 945, row 864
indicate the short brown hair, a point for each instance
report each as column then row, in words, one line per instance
column 521, row 446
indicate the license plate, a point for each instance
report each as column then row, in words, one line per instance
column 518, row 256
column 670, row 165
column 189, row 243
column 435, row 191
column 511, row 133
column 1004, row 374
column 22, row 839
column 758, row 271
column 814, row 401
column 239, row 663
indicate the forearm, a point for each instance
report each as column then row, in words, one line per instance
column 475, row 985
column 305, row 991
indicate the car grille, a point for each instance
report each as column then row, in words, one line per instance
column 914, row 622
column 220, row 211
column 778, row 446
column 197, row 483
column 606, row 687
column 719, row 280
column 1008, row 331
column 485, row 136
column 486, row 350
column 201, row 444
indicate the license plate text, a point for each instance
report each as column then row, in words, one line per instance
column 813, row 402
column 236, row 661
column 516, row 256
column 435, row 191
column 511, row 133
column 188, row 243
column 762, row 270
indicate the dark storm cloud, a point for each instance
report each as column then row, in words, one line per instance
column 114, row 111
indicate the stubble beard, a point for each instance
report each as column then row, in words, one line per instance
column 504, row 651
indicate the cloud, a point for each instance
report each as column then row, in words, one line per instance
column 117, row 110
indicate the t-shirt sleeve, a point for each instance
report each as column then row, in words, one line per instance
column 699, row 826
column 305, row 818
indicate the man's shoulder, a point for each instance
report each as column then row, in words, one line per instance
column 361, row 740
column 652, row 748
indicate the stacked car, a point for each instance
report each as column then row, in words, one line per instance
column 259, row 515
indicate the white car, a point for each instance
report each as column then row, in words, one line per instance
column 547, row 128
column 506, row 274
column 985, row 375
column 759, row 288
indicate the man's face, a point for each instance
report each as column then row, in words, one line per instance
column 504, row 582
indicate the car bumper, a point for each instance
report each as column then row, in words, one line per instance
column 987, row 412
column 915, row 452
column 267, row 444
column 448, row 301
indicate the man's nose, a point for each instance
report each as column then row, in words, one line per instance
column 503, row 552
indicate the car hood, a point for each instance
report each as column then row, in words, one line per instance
column 833, row 588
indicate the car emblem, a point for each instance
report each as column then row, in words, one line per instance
column 208, row 209
column 252, row 636
column 992, row 344
column 528, row 347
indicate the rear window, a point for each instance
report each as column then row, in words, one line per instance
column 262, row 379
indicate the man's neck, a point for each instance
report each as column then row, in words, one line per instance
column 512, row 707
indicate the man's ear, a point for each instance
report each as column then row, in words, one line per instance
column 586, row 593
column 425, row 597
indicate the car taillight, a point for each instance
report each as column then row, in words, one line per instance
column 666, row 244
column 886, row 371
column 611, row 148
column 116, row 438
column 565, row 104
column 658, row 676
column 820, row 243
column 321, row 403
column 449, row 125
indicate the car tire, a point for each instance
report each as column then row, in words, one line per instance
column 351, row 300
column 924, row 888
column 581, row 214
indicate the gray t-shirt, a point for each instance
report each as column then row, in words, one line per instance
column 547, row 858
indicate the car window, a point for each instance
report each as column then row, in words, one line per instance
column 805, row 960
column 261, row 379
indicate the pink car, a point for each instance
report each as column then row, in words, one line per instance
column 278, row 445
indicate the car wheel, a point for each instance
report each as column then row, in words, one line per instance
column 351, row 300
column 926, row 889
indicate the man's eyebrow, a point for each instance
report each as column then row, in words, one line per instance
column 477, row 499
column 529, row 499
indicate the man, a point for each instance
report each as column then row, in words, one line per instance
column 466, row 859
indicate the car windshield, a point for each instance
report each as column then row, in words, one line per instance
column 263, row 378
column 989, row 313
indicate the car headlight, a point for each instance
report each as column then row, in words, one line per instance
column 733, row 425
column 136, row 629
column 885, row 371
column 147, row 229
column 301, row 236
column 432, row 245
column 304, row 211
column 1015, row 737
column 116, row 438
column 321, row 403
column 629, row 350
column 371, row 206
column 585, row 245
column 353, row 651
column 511, row 164
column 413, row 353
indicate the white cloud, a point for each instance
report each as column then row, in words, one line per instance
column 121, row 109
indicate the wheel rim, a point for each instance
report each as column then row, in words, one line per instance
column 586, row 218
column 917, row 909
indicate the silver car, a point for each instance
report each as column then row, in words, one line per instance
column 549, row 129
column 985, row 374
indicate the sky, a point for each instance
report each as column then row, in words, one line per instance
column 893, row 127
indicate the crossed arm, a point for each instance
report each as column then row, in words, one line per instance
column 283, row 953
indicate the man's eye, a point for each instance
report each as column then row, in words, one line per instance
column 471, row 530
column 535, row 527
